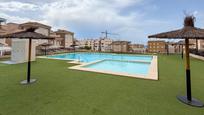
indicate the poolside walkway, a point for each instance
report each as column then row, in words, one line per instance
column 197, row 56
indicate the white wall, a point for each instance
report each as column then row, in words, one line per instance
column 69, row 40
column 19, row 53
column 43, row 31
column 171, row 49
column 200, row 44
column 3, row 41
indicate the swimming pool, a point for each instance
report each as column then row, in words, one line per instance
column 92, row 57
column 137, row 66
column 130, row 67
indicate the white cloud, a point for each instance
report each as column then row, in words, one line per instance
column 16, row 6
column 15, row 19
column 88, row 16
column 94, row 15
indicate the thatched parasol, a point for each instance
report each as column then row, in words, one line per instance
column 45, row 45
column 27, row 34
column 187, row 32
column 181, row 43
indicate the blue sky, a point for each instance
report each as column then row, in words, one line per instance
column 133, row 20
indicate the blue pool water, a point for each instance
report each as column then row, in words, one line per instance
column 91, row 57
column 121, row 66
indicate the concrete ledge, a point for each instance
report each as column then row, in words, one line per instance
column 197, row 57
column 152, row 74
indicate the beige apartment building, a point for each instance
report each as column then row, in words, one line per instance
column 174, row 47
column 13, row 27
column 200, row 44
column 101, row 44
column 137, row 48
column 120, row 46
column 67, row 36
column 86, row 43
column 41, row 28
column 157, row 46
column 6, row 29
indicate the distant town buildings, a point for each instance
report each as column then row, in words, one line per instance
column 67, row 37
column 157, row 46
column 160, row 46
column 199, row 43
column 120, row 46
column 101, row 44
column 109, row 45
column 137, row 48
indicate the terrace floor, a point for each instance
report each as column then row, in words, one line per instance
column 60, row 91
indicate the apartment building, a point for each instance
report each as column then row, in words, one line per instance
column 120, row 46
column 106, row 44
column 199, row 43
column 137, row 48
column 68, row 37
column 6, row 29
column 57, row 42
column 41, row 28
column 157, row 46
column 101, row 44
column 86, row 43
column 175, row 47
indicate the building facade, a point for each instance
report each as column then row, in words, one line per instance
column 199, row 43
column 137, row 48
column 8, row 28
column 120, row 46
column 157, row 47
column 41, row 28
column 101, row 44
column 67, row 36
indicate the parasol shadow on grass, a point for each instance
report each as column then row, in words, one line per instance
column 30, row 34
column 187, row 32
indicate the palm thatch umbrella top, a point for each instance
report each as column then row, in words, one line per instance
column 27, row 34
column 189, row 31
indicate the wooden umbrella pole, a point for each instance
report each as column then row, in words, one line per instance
column 188, row 76
column 167, row 49
column 29, row 60
column 197, row 46
column 45, row 50
column 182, row 51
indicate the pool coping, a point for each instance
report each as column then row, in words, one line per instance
column 75, row 61
column 152, row 74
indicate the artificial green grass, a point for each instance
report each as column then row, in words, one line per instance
column 60, row 91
